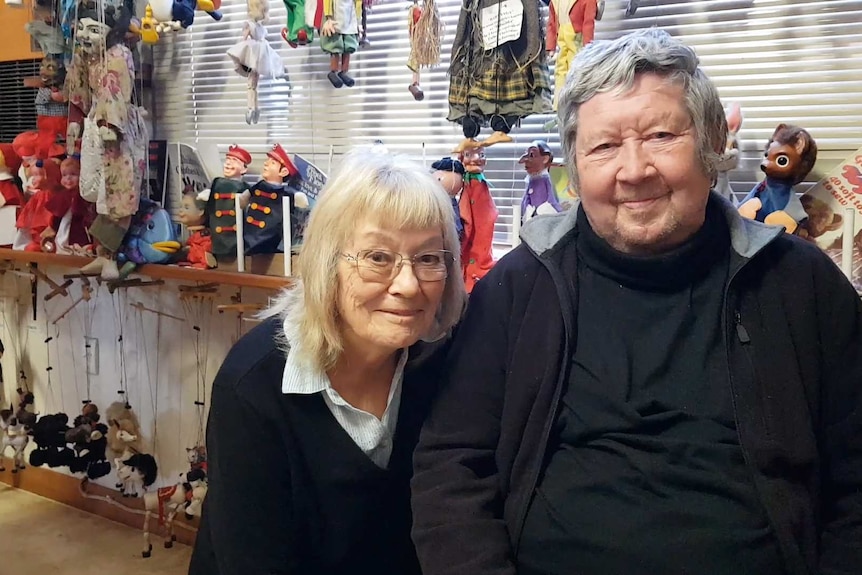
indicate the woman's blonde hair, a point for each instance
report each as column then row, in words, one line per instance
column 390, row 191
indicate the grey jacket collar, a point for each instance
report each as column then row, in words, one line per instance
column 747, row 237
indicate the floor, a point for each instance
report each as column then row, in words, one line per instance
column 40, row 536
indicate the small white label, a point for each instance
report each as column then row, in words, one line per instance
column 501, row 23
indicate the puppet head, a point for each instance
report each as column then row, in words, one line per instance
column 192, row 209
column 278, row 167
column 537, row 158
column 473, row 160
column 96, row 30
column 450, row 174
column 51, row 72
column 236, row 162
column 70, row 173
column 258, row 10
column 790, row 154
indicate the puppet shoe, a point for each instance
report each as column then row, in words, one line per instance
column 284, row 37
column 466, row 144
column 335, row 79
column 255, row 115
column 417, row 92
column 348, row 81
column 496, row 138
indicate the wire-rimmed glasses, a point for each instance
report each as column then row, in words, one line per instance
column 379, row 265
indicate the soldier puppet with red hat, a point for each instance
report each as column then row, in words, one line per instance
column 221, row 207
column 262, row 230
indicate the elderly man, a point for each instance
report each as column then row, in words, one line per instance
column 650, row 383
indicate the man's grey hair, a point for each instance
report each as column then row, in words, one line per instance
column 612, row 65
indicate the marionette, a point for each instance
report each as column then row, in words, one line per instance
column 37, row 223
column 52, row 108
column 573, row 32
column 164, row 16
column 46, row 30
column 297, row 32
column 450, row 173
column 729, row 159
column 479, row 215
column 198, row 251
column 10, row 184
column 254, row 58
column 221, row 206
column 24, row 146
column 264, row 216
column 539, row 195
column 789, row 157
column 496, row 79
column 425, row 29
column 339, row 37
column 15, row 434
column 100, row 82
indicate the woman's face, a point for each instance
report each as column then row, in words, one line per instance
column 381, row 317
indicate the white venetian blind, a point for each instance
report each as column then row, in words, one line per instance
column 782, row 60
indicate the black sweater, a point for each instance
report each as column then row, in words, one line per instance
column 289, row 490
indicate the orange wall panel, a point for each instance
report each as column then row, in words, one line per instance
column 14, row 41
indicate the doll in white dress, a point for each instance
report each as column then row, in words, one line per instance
column 253, row 57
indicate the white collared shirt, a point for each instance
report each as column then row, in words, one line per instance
column 373, row 436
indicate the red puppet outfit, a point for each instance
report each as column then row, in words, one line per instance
column 571, row 34
column 479, row 215
column 10, row 163
column 200, row 244
column 39, row 213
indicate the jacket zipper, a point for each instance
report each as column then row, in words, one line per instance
column 741, row 332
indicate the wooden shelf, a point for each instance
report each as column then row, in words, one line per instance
column 155, row 271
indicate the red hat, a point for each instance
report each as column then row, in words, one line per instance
column 240, row 154
column 278, row 154
column 10, row 158
column 25, row 144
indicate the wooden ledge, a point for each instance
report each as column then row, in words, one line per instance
column 156, row 271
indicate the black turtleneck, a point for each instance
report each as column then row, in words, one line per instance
column 644, row 472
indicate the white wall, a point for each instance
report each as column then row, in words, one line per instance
column 158, row 366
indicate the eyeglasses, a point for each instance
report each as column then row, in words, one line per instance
column 379, row 265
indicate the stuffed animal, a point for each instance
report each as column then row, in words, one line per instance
column 124, row 431
column 789, row 157
column 136, row 473
column 151, row 238
column 49, row 435
column 15, row 434
column 729, row 160
column 90, row 442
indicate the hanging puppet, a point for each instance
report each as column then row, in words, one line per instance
column 197, row 252
column 10, row 184
column 495, row 77
column 479, row 215
column 264, row 216
column 164, row 16
column 571, row 26
column 14, row 434
column 539, row 195
column 425, row 29
column 100, row 84
column 52, row 108
column 789, row 157
column 729, row 159
column 221, row 206
column 297, row 32
column 339, row 37
column 254, row 58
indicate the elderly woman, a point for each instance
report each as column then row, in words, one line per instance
column 315, row 413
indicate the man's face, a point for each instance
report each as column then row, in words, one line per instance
column 233, row 168
column 273, row 172
column 473, row 160
column 91, row 34
column 641, row 184
column 534, row 160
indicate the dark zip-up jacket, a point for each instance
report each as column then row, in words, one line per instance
column 793, row 332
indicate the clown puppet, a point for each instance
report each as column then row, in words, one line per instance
column 339, row 37
column 479, row 215
column 571, row 26
column 221, row 202
column 539, row 195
